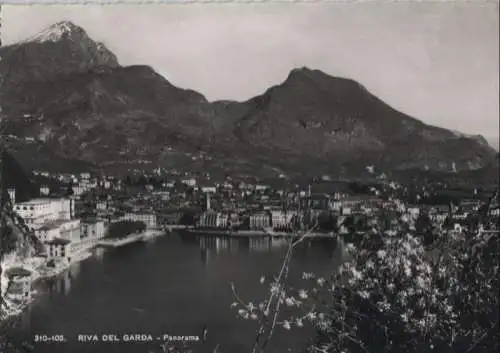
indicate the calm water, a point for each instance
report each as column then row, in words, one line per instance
column 172, row 285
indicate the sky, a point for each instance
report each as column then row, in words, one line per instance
column 436, row 61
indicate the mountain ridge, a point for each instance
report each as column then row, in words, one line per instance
column 81, row 103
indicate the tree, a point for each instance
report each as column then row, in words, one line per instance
column 394, row 295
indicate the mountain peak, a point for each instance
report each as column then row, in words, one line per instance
column 304, row 71
column 56, row 32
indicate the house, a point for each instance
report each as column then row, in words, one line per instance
column 315, row 202
column 36, row 212
column 101, row 205
column 260, row 187
column 495, row 211
column 92, row 230
column 44, row 190
column 59, row 249
column 208, row 189
column 413, row 210
column 12, row 195
column 47, row 232
column 211, row 219
column 148, row 218
column 260, row 220
column 189, row 182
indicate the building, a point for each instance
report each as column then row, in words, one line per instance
column 12, row 195
column 189, row 182
column 413, row 210
column 212, row 219
column 208, row 189
column 44, row 190
column 148, row 218
column 91, row 231
column 101, row 206
column 260, row 220
column 36, row 212
column 71, row 230
column 79, row 189
column 47, row 232
column 315, row 202
column 281, row 219
column 63, row 229
column 59, row 249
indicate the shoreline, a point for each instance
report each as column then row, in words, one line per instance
column 40, row 271
column 253, row 233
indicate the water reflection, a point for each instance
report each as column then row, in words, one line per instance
column 62, row 282
column 168, row 278
column 216, row 245
column 99, row 254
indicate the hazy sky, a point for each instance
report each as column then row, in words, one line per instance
column 436, row 61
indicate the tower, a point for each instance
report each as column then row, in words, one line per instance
column 207, row 202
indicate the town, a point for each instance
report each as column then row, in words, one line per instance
column 84, row 211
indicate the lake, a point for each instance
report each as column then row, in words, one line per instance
column 174, row 285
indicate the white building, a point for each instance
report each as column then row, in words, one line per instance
column 189, row 182
column 36, row 212
column 79, row 189
column 260, row 220
column 59, row 249
column 148, row 218
column 44, row 190
column 260, row 187
column 12, row 195
column 208, row 189
column 60, row 229
column 91, row 232
column 213, row 219
column 101, row 205
column 281, row 219
column 47, row 232
column 93, row 229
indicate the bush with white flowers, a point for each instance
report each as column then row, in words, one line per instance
column 394, row 295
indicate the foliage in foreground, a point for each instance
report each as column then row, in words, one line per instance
column 394, row 295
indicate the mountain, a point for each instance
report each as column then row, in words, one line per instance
column 71, row 97
column 14, row 176
column 61, row 49
column 312, row 115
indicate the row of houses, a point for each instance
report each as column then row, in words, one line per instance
column 259, row 220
